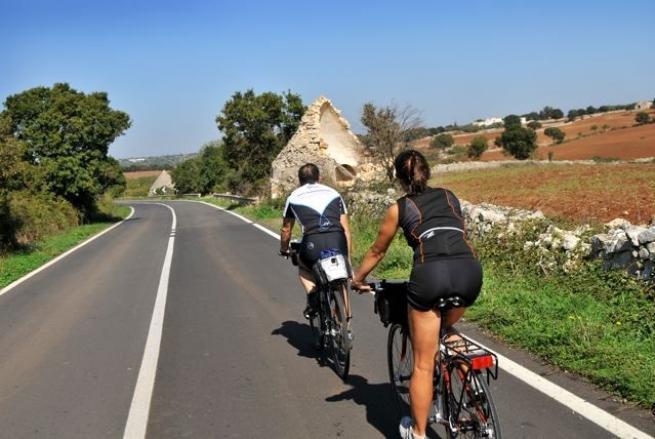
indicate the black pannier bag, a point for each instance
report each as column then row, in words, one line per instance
column 391, row 302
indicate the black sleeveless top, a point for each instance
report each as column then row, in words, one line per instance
column 433, row 225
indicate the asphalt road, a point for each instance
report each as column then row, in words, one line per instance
column 236, row 357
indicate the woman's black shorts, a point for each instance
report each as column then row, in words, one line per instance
column 433, row 280
column 311, row 246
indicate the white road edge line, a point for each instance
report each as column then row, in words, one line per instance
column 137, row 419
column 50, row 263
column 584, row 408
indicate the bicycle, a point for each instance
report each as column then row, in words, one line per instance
column 330, row 323
column 462, row 401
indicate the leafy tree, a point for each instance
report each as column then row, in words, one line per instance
column 256, row 128
column 387, row 129
column 535, row 125
column 213, row 170
column 556, row 134
column 477, row 147
column 533, row 115
column 591, row 110
column 442, row 141
column 512, row 121
column 642, row 118
column 518, row 141
column 12, row 177
column 186, row 176
column 572, row 115
column 653, row 104
column 557, row 114
column 67, row 134
column 550, row 113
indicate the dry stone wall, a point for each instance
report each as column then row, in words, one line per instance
column 474, row 166
column 623, row 245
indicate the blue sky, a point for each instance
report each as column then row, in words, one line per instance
column 171, row 65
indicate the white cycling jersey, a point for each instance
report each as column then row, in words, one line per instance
column 316, row 207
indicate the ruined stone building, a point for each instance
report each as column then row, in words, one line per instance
column 323, row 138
column 163, row 185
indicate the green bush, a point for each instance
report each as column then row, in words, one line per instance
column 535, row 125
column 442, row 141
column 477, row 147
column 518, row 141
column 40, row 215
column 642, row 118
column 556, row 134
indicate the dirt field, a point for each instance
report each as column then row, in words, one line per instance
column 138, row 174
column 626, row 144
column 583, row 193
column 609, row 135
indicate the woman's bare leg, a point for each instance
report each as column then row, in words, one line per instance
column 424, row 331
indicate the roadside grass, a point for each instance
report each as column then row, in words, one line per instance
column 139, row 186
column 17, row 264
column 583, row 193
column 596, row 323
column 590, row 326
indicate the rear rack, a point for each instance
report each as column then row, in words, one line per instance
column 466, row 350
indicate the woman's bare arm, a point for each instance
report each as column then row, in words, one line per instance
column 379, row 248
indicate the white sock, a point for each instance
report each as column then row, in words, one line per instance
column 416, row 436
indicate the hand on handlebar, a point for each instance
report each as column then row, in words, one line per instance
column 361, row 286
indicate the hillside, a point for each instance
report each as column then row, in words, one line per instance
column 154, row 162
column 606, row 135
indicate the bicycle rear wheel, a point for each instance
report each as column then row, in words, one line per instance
column 339, row 331
column 401, row 362
column 471, row 407
column 317, row 331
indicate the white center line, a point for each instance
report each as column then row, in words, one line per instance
column 137, row 419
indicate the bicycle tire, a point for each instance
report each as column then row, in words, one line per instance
column 317, row 332
column 339, row 332
column 477, row 417
column 400, row 362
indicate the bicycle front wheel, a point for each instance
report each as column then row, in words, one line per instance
column 471, row 406
column 401, row 362
column 339, row 332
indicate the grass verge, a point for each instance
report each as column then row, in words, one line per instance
column 592, row 322
column 17, row 264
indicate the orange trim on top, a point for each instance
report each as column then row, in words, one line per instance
column 420, row 243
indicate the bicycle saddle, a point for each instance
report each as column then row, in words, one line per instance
column 446, row 303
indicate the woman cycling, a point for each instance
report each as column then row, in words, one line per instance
column 444, row 265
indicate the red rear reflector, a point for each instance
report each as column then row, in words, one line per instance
column 483, row 362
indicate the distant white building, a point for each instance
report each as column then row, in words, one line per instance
column 488, row 122
column 643, row 105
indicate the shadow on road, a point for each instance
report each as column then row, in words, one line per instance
column 381, row 409
column 376, row 398
column 298, row 335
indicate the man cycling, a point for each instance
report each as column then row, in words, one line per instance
column 322, row 215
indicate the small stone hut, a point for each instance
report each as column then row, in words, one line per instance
column 323, row 138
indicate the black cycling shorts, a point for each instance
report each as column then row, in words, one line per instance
column 311, row 246
column 433, row 280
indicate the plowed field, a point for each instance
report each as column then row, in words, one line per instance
column 583, row 193
column 608, row 135
column 626, row 144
